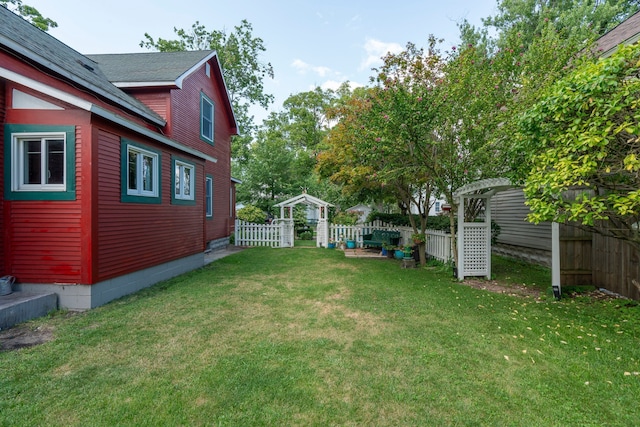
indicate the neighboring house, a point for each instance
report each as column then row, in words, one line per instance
column 115, row 171
column 519, row 238
column 435, row 206
column 627, row 32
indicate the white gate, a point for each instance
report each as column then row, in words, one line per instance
column 287, row 233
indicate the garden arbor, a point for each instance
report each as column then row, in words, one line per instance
column 286, row 219
column 474, row 238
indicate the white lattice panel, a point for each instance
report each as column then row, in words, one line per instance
column 476, row 262
column 321, row 233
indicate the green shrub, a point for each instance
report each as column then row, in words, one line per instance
column 252, row 214
column 438, row 222
column 345, row 218
column 307, row 235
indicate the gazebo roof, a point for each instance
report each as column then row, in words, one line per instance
column 303, row 198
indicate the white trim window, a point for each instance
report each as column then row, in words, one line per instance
column 39, row 162
column 209, row 196
column 185, row 174
column 206, row 118
column 143, row 173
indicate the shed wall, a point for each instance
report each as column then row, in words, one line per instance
column 518, row 237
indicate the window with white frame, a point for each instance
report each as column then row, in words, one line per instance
column 209, row 196
column 184, row 184
column 142, row 172
column 206, row 118
column 38, row 162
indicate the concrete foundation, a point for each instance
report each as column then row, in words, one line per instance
column 84, row 297
column 20, row 307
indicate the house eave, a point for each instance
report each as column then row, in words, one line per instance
column 193, row 69
column 124, row 85
column 99, row 111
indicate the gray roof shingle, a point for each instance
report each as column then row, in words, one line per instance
column 149, row 67
column 55, row 57
column 627, row 31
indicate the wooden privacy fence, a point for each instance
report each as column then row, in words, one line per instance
column 593, row 259
column 250, row 234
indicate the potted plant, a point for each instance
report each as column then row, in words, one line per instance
column 386, row 248
column 398, row 252
column 331, row 244
column 418, row 238
column 351, row 244
column 407, row 252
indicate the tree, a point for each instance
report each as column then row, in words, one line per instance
column 286, row 149
column 29, row 13
column 579, row 19
column 251, row 214
column 376, row 143
column 585, row 133
column 268, row 172
column 239, row 54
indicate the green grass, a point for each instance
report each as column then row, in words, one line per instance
column 305, row 243
column 307, row 337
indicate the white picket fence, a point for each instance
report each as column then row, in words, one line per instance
column 248, row 234
column 439, row 245
column 438, row 242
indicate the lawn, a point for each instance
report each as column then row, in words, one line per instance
column 306, row 337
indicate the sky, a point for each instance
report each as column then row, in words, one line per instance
column 308, row 43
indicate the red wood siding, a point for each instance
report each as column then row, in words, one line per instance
column 185, row 122
column 158, row 101
column 181, row 109
column 3, row 267
column 43, row 236
column 133, row 236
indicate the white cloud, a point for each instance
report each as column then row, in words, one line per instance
column 300, row 65
column 304, row 68
column 375, row 50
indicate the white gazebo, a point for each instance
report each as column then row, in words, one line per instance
column 286, row 218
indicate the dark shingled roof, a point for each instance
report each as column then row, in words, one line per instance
column 55, row 57
column 628, row 31
column 149, row 67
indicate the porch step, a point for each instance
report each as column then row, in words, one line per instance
column 20, row 307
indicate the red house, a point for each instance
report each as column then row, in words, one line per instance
column 115, row 168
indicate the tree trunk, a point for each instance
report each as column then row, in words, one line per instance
column 454, row 236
